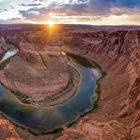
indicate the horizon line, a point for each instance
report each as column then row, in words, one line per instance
column 67, row 24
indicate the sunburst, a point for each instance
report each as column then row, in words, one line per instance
column 50, row 23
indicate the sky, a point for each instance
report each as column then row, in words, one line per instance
column 95, row 12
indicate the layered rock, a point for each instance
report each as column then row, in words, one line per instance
column 36, row 74
column 2, row 47
column 133, row 101
column 117, row 52
column 93, row 130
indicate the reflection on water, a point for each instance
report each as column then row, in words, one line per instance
column 8, row 54
column 48, row 119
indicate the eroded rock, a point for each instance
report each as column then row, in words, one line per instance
column 93, row 130
column 35, row 74
column 7, row 131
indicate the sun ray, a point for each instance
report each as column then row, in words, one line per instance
column 50, row 23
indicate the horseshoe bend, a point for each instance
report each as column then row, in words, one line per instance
column 36, row 75
column 50, row 77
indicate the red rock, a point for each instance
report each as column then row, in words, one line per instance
column 7, row 131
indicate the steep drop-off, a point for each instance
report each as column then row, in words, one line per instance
column 118, row 53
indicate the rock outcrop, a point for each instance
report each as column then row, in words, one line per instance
column 133, row 102
column 3, row 47
column 7, row 131
column 36, row 74
column 93, row 130
column 117, row 51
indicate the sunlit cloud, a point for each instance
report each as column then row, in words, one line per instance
column 96, row 12
column 12, row 13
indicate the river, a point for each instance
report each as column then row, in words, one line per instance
column 48, row 119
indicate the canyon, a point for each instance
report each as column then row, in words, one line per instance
column 33, row 74
column 116, row 50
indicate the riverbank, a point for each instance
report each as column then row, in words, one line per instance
column 112, row 92
column 58, row 98
column 110, row 81
column 83, row 94
column 87, row 62
column 57, row 132
column 55, row 99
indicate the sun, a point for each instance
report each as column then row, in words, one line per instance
column 50, row 23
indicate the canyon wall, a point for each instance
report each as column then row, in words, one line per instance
column 118, row 53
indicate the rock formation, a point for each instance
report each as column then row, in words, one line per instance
column 2, row 47
column 36, row 73
column 118, row 53
column 7, row 131
column 93, row 130
column 116, row 50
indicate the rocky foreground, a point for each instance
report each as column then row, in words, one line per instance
column 117, row 51
column 7, row 131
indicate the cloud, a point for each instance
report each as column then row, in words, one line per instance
column 88, row 7
column 68, row 9
column 29, row 14
column 31, row 4
column 80, row 10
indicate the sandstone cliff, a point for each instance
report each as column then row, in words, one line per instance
column 117, row 51
column 3, row 47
